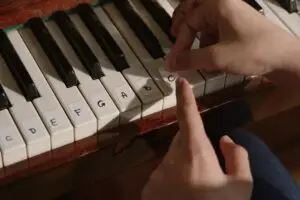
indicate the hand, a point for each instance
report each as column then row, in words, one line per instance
column 235, row 38
column 190, row 169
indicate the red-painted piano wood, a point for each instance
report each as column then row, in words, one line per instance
column 14, row 12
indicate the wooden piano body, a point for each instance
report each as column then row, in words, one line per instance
column 119, row 148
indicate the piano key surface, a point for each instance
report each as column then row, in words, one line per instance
column 84, row 53
column 25, row 116
column 161, row 17
column 291, row 20
column 48, row 107
column 80, row 114
column 12, row 145
column 17, row 68
column 95, row 71
column 63, row 68
column 136, row 75
column 289, row 5
column 151, row 65
column 114, row 82
column 144, row 34
column 194, row 77
column 270, row 15
column 89, row 87
column 105, row 40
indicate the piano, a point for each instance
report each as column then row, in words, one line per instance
column 77, row 77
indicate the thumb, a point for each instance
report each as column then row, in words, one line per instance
column 236, row 159
column 213, row 57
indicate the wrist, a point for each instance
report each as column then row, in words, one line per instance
column 291, row 57
column 286, row 70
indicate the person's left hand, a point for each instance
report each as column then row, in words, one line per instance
column 191, row 170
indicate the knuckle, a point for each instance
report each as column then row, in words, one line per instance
column 217, row 58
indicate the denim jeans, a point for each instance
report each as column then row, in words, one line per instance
column 271, row 180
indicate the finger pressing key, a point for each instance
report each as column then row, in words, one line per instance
column 193, row 138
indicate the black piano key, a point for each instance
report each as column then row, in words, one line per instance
column 82, row 50
column 102, row 36
column 255, row 5
column 17, row 68
column 161, row 17
column 4, row 102
column 141, row 30
column 289, row 5
column 56, row 57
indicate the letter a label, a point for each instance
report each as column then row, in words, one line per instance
column 123, row 95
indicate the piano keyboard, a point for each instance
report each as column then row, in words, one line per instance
column 93, row 69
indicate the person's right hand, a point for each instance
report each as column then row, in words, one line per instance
column 235, row 38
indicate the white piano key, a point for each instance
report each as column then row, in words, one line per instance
column 12, row 145
column 152, row 66
column 93, row 91
column 270, row 15
column 169, row 5
column 215, row 81
column 36, row 137
column 148, row 20
column 194, row 78
column 75, row 106
column 105, row 109
column 26, row 117
column 291, row 20
column 136, row 75
column 229, row 80
column 113, row 81
column 48, row 107
column 126, row 32
column 172, row 3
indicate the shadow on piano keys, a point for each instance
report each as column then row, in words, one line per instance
column 120, row 138
column 123, row 135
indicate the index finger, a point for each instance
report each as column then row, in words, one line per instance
column 193, row 136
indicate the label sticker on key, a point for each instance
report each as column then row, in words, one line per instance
column 125, row 97
column 55, row 120
column 147, row 87
column 80, row 112
column 168, row 77
column 103, row 104
column 10, row 138
column 33, row 130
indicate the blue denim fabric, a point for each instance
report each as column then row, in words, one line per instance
column 271, row 180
